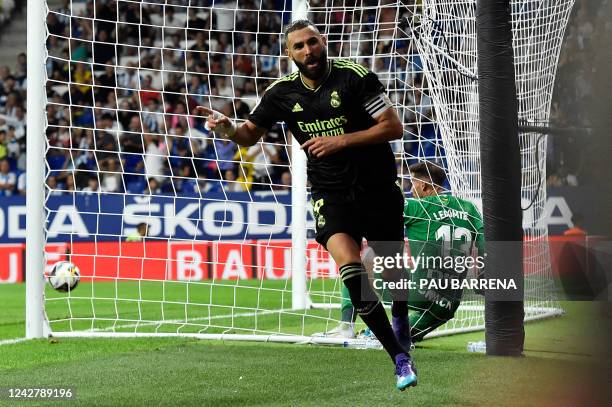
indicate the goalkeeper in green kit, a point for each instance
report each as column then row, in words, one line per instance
column 442, row 230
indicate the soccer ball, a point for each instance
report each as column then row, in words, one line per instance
column 64, row 276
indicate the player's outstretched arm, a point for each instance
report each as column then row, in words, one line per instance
column 246, row 134
column 388, row 127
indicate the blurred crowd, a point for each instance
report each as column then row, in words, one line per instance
column 7, row 10
column 572, row 97
column 121, row 116
column 12, row 112
column 122, row 92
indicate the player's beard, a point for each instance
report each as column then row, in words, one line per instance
column 316, row 73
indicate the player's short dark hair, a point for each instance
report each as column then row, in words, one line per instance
column 428, row 172
column 298, row 25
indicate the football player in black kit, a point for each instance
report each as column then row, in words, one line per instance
column 341, row 116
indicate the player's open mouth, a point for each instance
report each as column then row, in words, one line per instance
column 312, row 64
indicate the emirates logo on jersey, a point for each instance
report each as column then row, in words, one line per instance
column 335, row 99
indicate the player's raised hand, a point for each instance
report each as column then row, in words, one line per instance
column 324, row 146
column 217, row 122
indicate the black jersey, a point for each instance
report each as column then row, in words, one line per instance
column 344, row 103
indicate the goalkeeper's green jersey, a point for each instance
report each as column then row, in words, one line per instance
column 441, row 229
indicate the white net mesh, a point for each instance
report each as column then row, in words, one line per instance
column 448, row 45
column 212, row 254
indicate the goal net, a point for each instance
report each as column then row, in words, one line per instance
column 175, row 232
column 446, row 32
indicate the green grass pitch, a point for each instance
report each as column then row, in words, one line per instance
column 179, row 371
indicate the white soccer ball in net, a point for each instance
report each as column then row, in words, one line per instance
column 64, row 276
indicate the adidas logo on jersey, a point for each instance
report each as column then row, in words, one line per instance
column 297, row 108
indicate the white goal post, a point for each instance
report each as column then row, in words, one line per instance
column 228, row 251
column 35, row 241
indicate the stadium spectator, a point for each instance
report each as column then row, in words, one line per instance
column 4, row 74
column 153, row 187
column 3, row 145
column 69, row 182
column 103, row 49
column 21, row 184
column 243, row 62
column 140, row 234
column 245, row 167
column 152, row 117
column 15, row 144
column 225, row 154
column 241, row 109
column 111, row 178
column 148, row 92
column 127, row 110
column 9, row 103
column 268, row 62
column 197, row 20
column 82, row 76
column 8, row 179
column 92, row 185
column 54, row 187
column 54, row 25
column 179, row 117
column 20, row 72
column 107, row 146
column 198, row 51
column 186, row 182
column 197, row 89
column 127, row 78
column 222, row 89
column 231, row 184
column 263, row 156
column 105, row 84
column 131, row 138
column 285, row 181
column 155, row 160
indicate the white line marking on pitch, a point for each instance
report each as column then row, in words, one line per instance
column 12, row 341
column 188, row 320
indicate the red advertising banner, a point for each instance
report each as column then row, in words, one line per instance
column 173, row 260
column 273, row 259
column 11, row 263
column 233, row 260
column 188, row 261
column 229, row 260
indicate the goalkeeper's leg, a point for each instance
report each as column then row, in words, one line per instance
column 346, row 327
column 346, row 306
column 425, row 317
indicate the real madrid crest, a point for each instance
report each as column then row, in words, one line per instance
column 335, row 99
column 320, row 221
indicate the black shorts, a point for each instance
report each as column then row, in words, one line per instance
column 377, row 215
